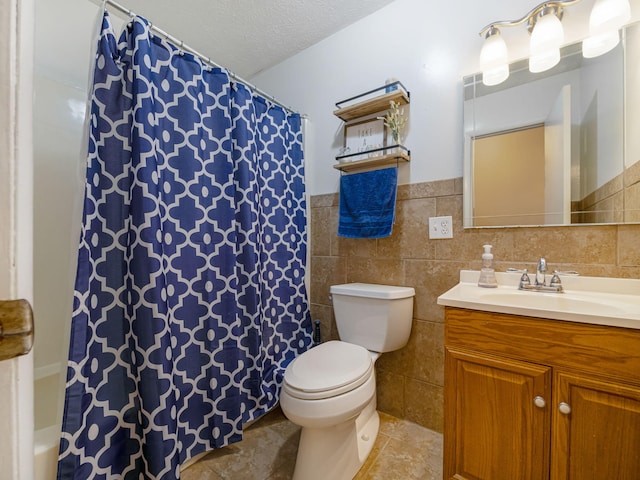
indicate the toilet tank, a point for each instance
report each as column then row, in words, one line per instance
column 377, row 317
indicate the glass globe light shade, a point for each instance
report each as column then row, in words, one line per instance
column 544, row 61
column 595, row 46
column 494, row 59
column 607, row 17
column 546, row 38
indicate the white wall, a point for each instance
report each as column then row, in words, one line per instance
column 632, row 96
column 59, row 112
column 429, row 46
column 65, row 42
column 62, row 30
column 602, row 81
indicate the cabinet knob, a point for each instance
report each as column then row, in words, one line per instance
column 564, row 408
column 539, row 402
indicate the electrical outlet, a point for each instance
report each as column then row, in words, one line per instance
column 440, row 227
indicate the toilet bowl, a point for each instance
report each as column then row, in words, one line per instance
column 330, row 384
column 330, row 390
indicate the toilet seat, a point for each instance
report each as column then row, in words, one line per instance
column 330, row 369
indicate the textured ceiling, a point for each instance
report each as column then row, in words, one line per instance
column 248, row 36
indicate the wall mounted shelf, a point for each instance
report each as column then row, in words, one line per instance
column 368, row 103
column 373, row 101
column 399, row 154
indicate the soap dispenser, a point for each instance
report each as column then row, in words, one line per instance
column 487, row 273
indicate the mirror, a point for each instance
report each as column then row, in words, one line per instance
column 550, row 148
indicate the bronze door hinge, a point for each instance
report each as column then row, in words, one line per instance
column 16, row 328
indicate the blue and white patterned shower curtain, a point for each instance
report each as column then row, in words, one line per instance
column 190, row 297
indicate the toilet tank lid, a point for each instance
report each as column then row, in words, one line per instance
column 371, row 290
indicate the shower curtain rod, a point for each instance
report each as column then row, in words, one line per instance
column 202, row 57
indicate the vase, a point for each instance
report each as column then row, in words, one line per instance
column 395, row 139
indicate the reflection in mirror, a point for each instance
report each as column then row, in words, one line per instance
column 549, row 148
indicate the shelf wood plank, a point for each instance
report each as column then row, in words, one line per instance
column 373, row 105
column 385, row 160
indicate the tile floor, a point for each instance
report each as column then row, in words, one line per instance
column 403, row 451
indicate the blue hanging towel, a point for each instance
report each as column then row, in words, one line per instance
column 368, row 204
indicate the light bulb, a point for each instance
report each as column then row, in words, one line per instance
column 494, row 58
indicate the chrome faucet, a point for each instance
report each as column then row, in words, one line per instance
column 540, row 272
column 555, row 285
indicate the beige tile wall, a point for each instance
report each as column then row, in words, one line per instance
column 616, row 201
column 632, row 193
column 410, row 381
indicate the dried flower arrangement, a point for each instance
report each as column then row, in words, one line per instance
column 395, row 121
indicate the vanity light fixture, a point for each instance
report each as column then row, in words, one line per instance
column 547, row 36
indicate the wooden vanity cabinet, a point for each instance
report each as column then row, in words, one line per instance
column 531, row 399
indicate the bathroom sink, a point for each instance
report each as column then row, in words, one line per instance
column 570, row 301
column 604, row 301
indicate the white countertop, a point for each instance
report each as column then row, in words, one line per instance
column 597, row 300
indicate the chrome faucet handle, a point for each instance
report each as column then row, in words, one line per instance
column 524, row 279
column 555, row 280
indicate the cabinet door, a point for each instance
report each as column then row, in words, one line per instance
column 495, row 427
column 598, row 435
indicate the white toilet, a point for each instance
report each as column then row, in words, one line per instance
column 330, row 390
